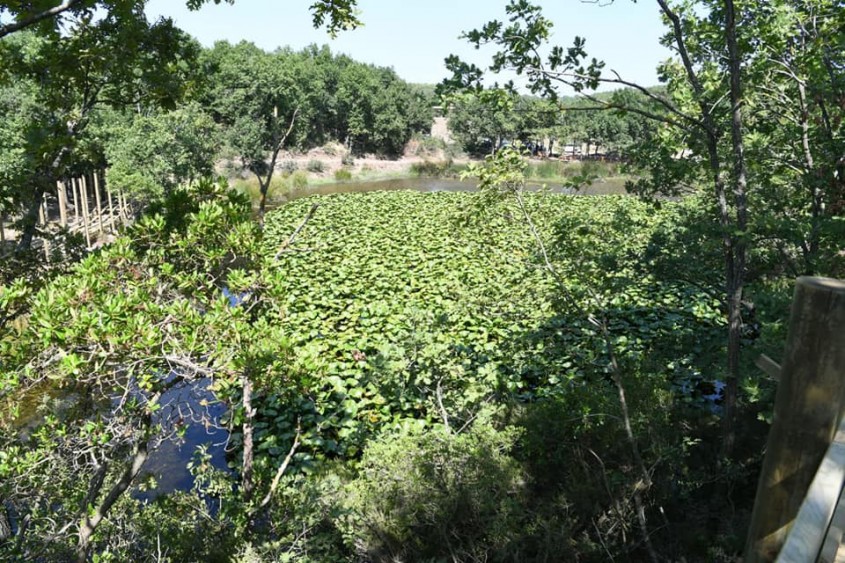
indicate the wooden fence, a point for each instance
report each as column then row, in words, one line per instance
column 83, row 204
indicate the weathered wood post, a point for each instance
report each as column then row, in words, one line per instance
column 124, row 206
column 61, row 192
column 73, row 191
column 99, row 203
column 112, row 218
column 809, row 405
column 83, row 200
column 43, row 217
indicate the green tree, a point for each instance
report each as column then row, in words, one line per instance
column 47, row 15
column 155, row 153
column 378, row 112
column 261, row 100
column 67, row 77
column 706, row 73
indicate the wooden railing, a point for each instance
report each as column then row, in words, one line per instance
column 816, row 533
column 797, row 515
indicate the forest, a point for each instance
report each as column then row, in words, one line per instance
column 506, row 372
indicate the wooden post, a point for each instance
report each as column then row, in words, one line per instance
column 99, row 203
column 112, row 218
column 83, row 198
column 61, row 191
column 809, row 406
column 73, row 192
column 42, row 215
column 121, row 200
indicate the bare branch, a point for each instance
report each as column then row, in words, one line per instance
column 282, row 468
column 296, row 231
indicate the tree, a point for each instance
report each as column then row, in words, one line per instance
column 153, row 154
column 377, row 111
column 69, row 76
column 48, row 15
column 70, row 54
column 707, row 71
column 262, row 103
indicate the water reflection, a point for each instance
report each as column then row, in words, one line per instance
column 189, row 415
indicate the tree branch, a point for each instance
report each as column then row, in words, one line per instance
column 296, row 231
column 282, row 468
column 35, row 18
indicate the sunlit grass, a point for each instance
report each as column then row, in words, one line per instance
column 281, row 186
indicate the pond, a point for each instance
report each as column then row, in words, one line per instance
column 167, row 464
column 602, row 186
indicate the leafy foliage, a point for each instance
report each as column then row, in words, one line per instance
column 155, row 154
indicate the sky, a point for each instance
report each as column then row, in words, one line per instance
column 414, row 36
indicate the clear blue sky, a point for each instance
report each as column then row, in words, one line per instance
column 414, row 36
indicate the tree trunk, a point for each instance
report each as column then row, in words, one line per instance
column 247, row 471
column 737, row 281
column 5, row 525
column 90, row 521
column 263, row 188
column 30, row 220
column 43, row 217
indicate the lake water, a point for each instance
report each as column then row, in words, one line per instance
column 606, row 186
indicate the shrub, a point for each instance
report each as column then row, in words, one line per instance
column 332, row 148
column 431, row 495
column 348, row 159
column 316, row 166
column 430, row 169
column 427, row 145
column 288, row 167
column 342, row 175
column 545, row 170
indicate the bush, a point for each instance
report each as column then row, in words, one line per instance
column 431, row 495
column 342, row 175
column 430, row 169
column 288, row 167
column 332, row 148
column 316, row 166
column 427, row 145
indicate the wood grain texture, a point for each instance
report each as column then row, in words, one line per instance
column 809, row 405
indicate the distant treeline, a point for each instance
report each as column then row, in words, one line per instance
column 159, row 119
column 574, row 126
